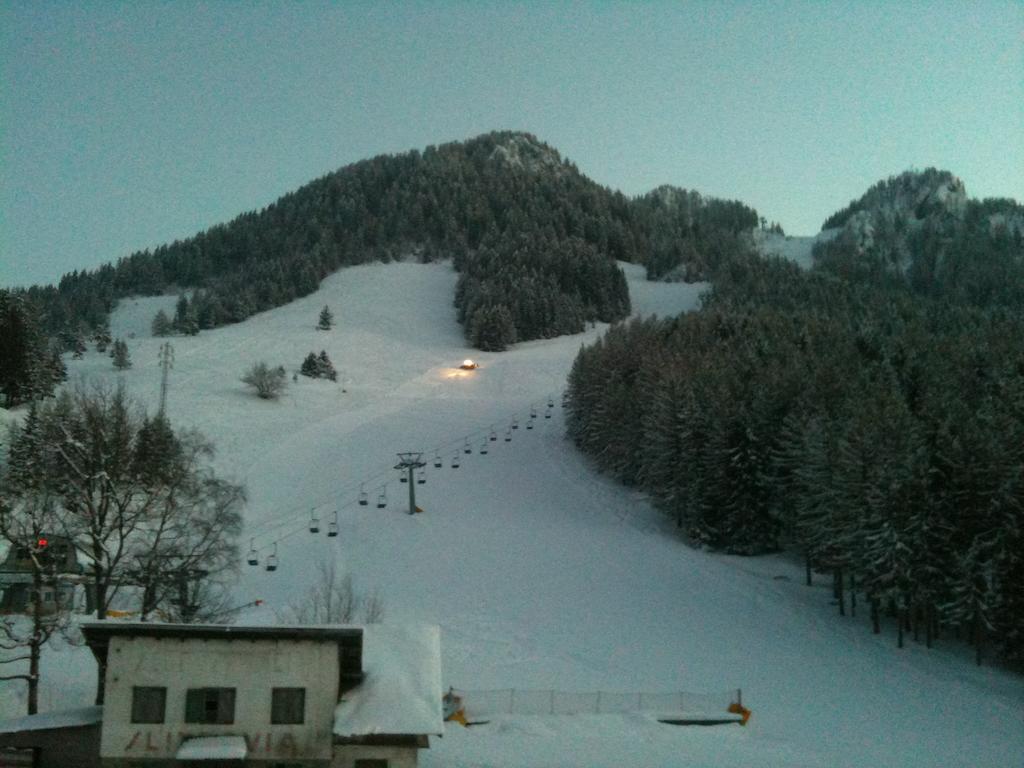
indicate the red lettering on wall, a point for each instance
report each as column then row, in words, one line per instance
column 287, row 745
column 150, row 746
column 252, row 743
column 131, row 744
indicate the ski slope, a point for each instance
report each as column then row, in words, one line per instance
column 541, row 572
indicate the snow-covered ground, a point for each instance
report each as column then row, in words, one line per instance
column 793, row 247
column 541, row 573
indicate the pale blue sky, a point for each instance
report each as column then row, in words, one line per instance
column 126, row 126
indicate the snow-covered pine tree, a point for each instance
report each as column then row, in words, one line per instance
column 325, row 368
column 161, row 325
column 122, row 360
column 310, row 366
column 326, row 321
column 102, row 337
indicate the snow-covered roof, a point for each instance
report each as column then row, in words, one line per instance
column 401, row 690
column 65, row 718
column 213, row 748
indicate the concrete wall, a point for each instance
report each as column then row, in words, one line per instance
column 397, row 757
column 252, row 667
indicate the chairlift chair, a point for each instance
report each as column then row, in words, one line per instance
column 466, row 448
column 437, row 460
column 364, row 499
column 272, row 559
column 483, row 446
column 533, row 412
column 508, row 435
column 494, row 435
column 314, row 521
column 382, row 498
column 403, row 478
column 455, row 460
column 515, row 423
column 332, row 527
column 421, row 477
column 253, row 558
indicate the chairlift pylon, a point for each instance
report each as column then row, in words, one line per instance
column 253, row 558
column 272, row 559
column 314, row 521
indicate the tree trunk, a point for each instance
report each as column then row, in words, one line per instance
column 36, row 642
column 900, row 621
column 840, row 594
column 807, row 567
column 853, row 595
column 876, row 625
column 979, row 639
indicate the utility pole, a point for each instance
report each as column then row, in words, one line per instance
column 411, row 461
column 166, row 363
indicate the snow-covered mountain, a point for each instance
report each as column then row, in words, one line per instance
column 541, row 573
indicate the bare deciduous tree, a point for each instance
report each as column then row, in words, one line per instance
column 333, row 599
column 268, row 382
column 138, row 501
column 25, row 524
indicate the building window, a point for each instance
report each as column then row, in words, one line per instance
column 148, row 703
column 210, row 705
column 288, row 706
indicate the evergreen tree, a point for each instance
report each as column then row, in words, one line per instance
column 122, row 360
column 27, row 365
column 102, row 337
column 161, row 325
column 325, row 367
column 491, row 328
column 180, row 312
column 310, row 367
column 326, row 321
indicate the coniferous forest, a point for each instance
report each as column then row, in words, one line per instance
column 867, row 414
column 500, row 199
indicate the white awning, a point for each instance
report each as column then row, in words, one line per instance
column 213, row 748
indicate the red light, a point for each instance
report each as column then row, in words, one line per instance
column 42, row 542
column 258, row 602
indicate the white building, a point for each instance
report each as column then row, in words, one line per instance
column 205, row 695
